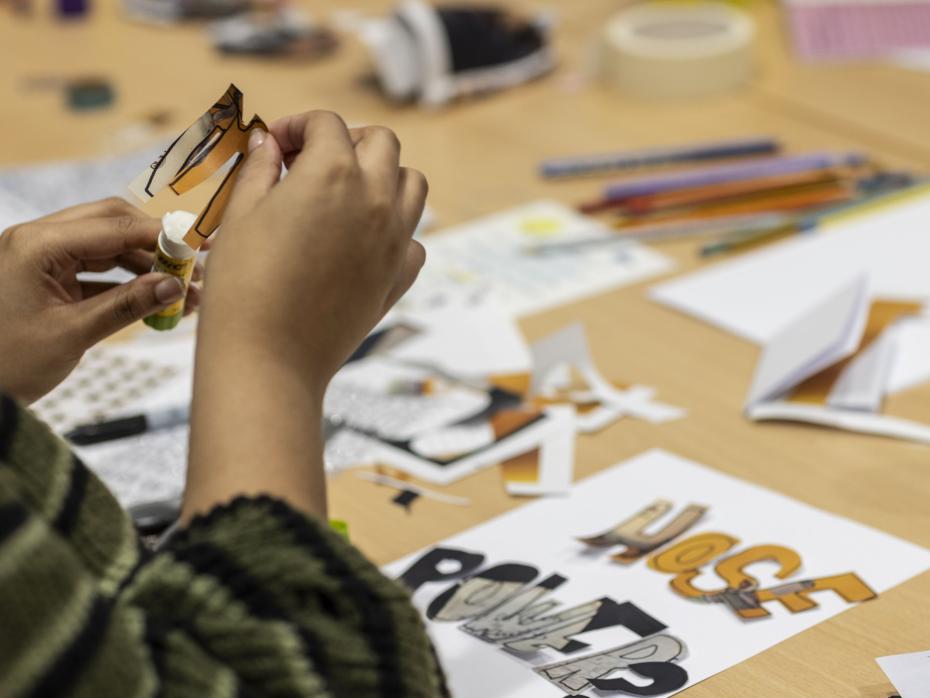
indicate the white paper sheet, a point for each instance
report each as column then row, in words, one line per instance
column 489, row 261
column 760, row 293
column 910, row 673
column 543, row 534
column 466, row 342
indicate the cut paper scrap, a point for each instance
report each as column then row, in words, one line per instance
column 218, row 137
column 600, row 403
column 758, row 295
column 518, row 607
column 546, row 470
column 910, row 673
column 398, row 483
column 830, row 367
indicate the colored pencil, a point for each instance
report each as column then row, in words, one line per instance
column 791, row 201
column 655, row 157
column 766, row 167
column 673, row 231
column 737, row 242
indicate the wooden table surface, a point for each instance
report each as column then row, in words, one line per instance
column 481, row 157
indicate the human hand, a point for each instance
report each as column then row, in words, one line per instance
column 300, row 271
column 49, row 317
column 305, row 267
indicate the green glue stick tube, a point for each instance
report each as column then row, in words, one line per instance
column 173, row 256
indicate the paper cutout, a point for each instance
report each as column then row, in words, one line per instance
column 216, row 138
column 742, row 593
column 405, row 499
column 831, row 365
column 380, row 479
column 480, row 593
column 600, row 403
column 440, row 564
column 631, row 532
column 575, row 676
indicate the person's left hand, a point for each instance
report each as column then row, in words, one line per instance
column 48, row 318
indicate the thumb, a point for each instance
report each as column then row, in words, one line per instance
column 258, row 174
column 110, row 311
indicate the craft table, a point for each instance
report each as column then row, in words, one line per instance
column 480, row 157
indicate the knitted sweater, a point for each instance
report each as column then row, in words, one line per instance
column 253, row 599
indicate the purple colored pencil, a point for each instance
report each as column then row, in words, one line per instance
column 769, row 167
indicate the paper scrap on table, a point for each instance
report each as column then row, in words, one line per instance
column 758, row 295
column 548, row 469
column 665, row 592
column 910, row 673
column 490, row 261
column 33, row 191
column 830, row 367
column 599, row 403
column 466, row 393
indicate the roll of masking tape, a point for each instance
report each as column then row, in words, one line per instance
column 678, row 50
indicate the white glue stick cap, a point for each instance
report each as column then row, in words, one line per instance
column 174, row 226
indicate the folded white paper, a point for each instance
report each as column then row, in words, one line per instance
column 831, row 331
column 758, row 295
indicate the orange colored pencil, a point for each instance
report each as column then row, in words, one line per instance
column 787, row 202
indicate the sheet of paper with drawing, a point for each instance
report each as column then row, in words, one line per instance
column 760, row 294
column 492, row 261
column 647, row 578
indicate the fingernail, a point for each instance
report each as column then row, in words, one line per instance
column 256, row 138
column 169, row 290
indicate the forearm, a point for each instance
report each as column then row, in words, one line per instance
column 255, row 429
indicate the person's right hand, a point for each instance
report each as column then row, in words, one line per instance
column 305, row 267
column 300, row 271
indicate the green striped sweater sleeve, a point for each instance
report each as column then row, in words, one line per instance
column 253, row 599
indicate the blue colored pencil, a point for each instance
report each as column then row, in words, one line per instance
column 653, row 157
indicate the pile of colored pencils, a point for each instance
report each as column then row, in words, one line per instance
column 762, row 196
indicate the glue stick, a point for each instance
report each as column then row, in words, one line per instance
column 173, row 256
